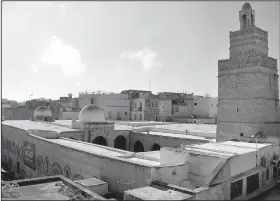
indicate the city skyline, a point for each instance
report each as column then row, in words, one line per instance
column 56, row 48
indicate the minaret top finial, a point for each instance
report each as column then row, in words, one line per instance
column 246, row 6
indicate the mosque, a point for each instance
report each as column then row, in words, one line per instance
column 149, row 160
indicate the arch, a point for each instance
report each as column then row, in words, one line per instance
column 18, row 151
column 100, row 140
column 46, row 165
column 156, row 147
column 138, row 146
column 13, row 147
column 77, row 177
column 67, row 172
column 56, row 169
column 39, row 165
column 120, row 142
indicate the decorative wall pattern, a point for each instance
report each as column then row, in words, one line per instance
column 56, row 169
column 40, row 166
column 67, row 171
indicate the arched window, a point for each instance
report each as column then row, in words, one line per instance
column 120, row 142
column 100, row 140
column 138, row 147
column 155, row 147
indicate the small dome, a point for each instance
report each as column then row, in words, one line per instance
column 43, row 111
column 91, row 113
column 246, row 6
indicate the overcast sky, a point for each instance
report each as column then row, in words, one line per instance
column 50, row 49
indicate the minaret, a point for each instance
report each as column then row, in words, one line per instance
column 248, row 92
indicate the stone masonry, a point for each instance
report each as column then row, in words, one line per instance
column 248, row 92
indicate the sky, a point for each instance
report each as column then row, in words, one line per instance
column 50, row 49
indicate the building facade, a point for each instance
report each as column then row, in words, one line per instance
column 248, row 92
column 146, row 107
column 115, row 106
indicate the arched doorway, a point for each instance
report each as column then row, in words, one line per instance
column 138, row 147
column 156, row 147
column 100, row 140
column 120, row 142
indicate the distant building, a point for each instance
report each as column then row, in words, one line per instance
column 205, row 107
column 135, row 93
column 115, row 106
column 165, row 109
column 34, row 103
column 17, row 113
column 186, row 106
column 145, row 107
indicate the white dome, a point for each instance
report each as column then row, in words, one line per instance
column 91, row 113
column 43, row 111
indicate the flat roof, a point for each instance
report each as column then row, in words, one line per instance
column 151, row 193
column 45, row 188
column 151, row 154
column 91, row 182
column 37, row 125
column 210, row 129
column 229, row 148
column 174, row 135
column 104, row 151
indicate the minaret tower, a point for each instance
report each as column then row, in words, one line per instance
column 248, row 92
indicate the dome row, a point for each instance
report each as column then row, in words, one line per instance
column 90, row 113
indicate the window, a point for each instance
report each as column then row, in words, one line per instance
column 135, row 105
column 125, row 113
column 236, row 189
column 135, row 117
column 241, row 134
column 252, row 183
column 152, row 104
column 176, row 109
column 91, row 101
column 140, row 116
column 236, row 109
column 195, row 103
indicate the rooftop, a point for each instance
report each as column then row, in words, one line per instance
column 45, row 188
column 228, row 148
column 174, row 135
column 105, row 151
column 151, row 193
column 36, row 125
